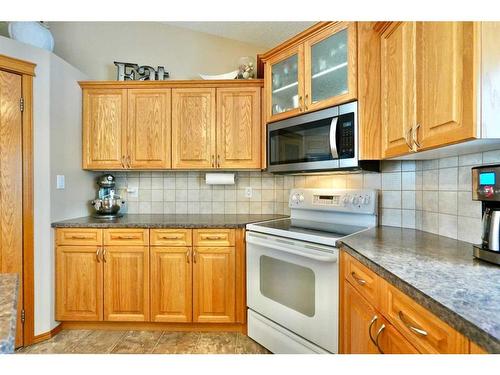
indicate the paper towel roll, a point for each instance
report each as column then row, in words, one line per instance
column 219, row 178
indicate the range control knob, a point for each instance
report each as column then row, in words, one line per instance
column 366, row 199
column 354, row 200
column 301, row 198
column 345, row 200
column 295, row 199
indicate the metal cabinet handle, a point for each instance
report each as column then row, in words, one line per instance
column 126, row 237
column 416, row 330
column 128, row 161
column 415, row 135
column 123, row 162
column 75, row 237
column 194, row 256
column 213, row 237
column 218, row 161
column 170, row 237
column 213, row 161
column 97, row 254
column 301, row 105
column 382, row 327
column 307, row 97
column 372, row 322
column 359, row 280
column 104, row 255
column 407, row 136
column 187, row 256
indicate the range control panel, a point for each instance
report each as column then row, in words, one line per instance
column 486, row 183
column 347, row 200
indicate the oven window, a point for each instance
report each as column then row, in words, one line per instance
column 288, row 284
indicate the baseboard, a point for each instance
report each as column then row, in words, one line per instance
column 158, row 326
column 47, row 335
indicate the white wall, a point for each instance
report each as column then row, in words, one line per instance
column 56, row 132
column 93, row 46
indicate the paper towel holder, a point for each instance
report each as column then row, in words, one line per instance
column 219, row 178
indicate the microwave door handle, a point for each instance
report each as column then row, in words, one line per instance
column 333, row 138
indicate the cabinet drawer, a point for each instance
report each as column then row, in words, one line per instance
column 423, row 329
column 213, row 237
column 365, row 281
column 126, row 237
column 170, row 237
column 79, row 236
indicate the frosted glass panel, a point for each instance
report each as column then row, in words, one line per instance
column 329, row 67
column 288, row 284
column 285, row 85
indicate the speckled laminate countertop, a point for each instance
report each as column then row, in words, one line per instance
column 166, row 221
column 440, row 274
column 8, row 311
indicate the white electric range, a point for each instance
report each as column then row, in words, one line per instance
column 292, row 269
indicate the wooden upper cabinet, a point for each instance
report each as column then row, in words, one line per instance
column 171, row 284
column 238, row 128
column 314, row 70
column 79, row 278
column 330, row 68
column 214, row 284
column 148, row 130
column 398, row 88
column 445, row 74
column 126, row 283
column 193, row 128
column 284, row 83
column 104, row 139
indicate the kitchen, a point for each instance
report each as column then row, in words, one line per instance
column 322, row 202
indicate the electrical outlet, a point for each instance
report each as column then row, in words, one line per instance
column 248, row 192
column 60, row 181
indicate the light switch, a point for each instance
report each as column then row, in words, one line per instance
column 132, row 192
column 60, row 182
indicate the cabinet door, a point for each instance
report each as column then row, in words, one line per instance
column 330, row 66
column 104, row 119
column 79, row 279
column 171, row 284
column 214, row 284
column 193, row 128
column 284, row 84
column 238, row 128
column 445, row 74
column 357, row 315
column 149, row 129
column 398, row 88
column 126, row 283
column 390, row 341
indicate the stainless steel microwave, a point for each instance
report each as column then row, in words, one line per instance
column 322, row 141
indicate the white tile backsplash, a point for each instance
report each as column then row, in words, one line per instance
column 431, row 195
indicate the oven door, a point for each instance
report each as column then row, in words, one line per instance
column 318, row 141
column 295, row 284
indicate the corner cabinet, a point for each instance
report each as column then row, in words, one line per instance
column 428, row 74
column 172, row 124
column 317, row 70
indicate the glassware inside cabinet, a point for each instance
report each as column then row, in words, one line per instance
column 329, row 67
column 285, row 85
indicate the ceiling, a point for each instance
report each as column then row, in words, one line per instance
column 264, row 34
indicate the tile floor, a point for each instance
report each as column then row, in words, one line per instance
column 146, row 342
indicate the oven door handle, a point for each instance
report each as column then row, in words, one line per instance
column 286, row 248
column 333, row 138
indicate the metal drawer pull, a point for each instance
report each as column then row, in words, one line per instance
column 127, row 237
column 213, row 237
column 419, row 331
column 75, row 237
column 187, row 256
column 372, row 322
column 194, row 256
column 415, row 135
column 104, row 255
column 170, row 237
column 382, row 327
column 97, row 255
column 358, row 280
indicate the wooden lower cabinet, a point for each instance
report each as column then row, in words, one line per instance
column 171, row 284
column 357, row 316
column 388, row 321
column 214, row 284
column 126, row 283
column 79, row 278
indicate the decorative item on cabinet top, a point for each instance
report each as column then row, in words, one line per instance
column 128, row 71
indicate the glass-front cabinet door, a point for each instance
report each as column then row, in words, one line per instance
column 330, row 66
column 284, row 84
